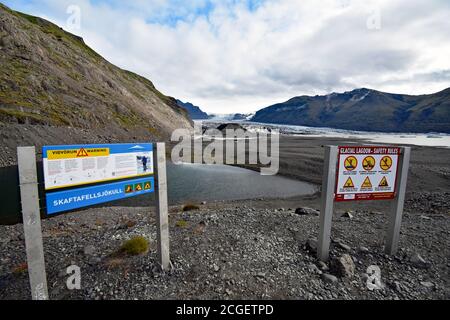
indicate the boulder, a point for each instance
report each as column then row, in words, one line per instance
column 344, row 266
column 311, row 245
column 344, row 246
column 419, row 262
column 323, row 266
column 329, row 278
column 348, row 214
column 427, row 284
column 362, row 249
column 306, row 212
column 314, row 269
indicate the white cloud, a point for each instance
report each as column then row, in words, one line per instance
column 236, row 60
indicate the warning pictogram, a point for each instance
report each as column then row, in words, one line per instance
column 367, row 184
column 129, row 189
column 350, row 163
column 384, row 183
column 82, row 153
column 386, row 163
column 368, row 163
column 138, row 187
column 147, row 186
column 349, row 183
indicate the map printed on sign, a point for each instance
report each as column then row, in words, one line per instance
column 366, row 173
column 69, row 166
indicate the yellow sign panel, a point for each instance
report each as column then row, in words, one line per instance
column 77, row 153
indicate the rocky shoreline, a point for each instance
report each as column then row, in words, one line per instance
column 233, row 250
column 252, row 249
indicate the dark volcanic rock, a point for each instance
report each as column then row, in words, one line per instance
column 230, row 126
column 306, row 211
column 311, row 245
column 344, row 266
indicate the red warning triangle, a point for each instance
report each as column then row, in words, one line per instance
column 384, row 183
column 367, row 183
column 349, row 183
column 82, row 153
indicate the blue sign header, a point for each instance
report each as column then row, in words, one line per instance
column 83, row 197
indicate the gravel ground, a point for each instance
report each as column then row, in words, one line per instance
column 244, row 249
column 234, row 250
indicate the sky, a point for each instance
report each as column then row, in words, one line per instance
column 238, row 56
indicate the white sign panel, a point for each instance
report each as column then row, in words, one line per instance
column 69, row 166
column 366, row 173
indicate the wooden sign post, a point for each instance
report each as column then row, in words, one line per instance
column 162, row 207
column 31, row 215
column 143, row 161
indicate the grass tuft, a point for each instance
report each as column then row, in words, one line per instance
column 135, row 246
column 181, row 224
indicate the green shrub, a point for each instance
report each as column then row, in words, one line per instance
column 135, row 246
column 181, row 224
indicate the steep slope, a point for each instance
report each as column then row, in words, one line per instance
column 364, row 109
column 52, row 78
column 194, row 112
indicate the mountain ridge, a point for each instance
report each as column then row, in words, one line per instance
column 364, row 110
column 194, row 111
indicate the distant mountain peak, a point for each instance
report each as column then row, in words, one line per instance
column 366, row 110
column 194, row 112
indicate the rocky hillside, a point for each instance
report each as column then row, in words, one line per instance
column 366, row 110
column 51, row 78
column 194, row 112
